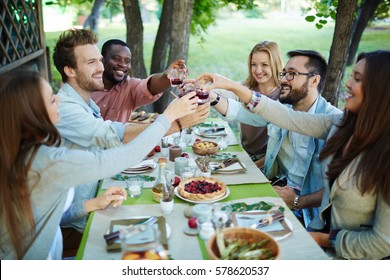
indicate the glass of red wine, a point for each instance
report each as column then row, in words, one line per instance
column 191, row 85
column 177, row 75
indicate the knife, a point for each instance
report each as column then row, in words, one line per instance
column 111, row 237
column 270, row 219
column 226, row 163
column 214, row 129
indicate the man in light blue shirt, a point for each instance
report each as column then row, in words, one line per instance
column 291, row 161
column 79, row 61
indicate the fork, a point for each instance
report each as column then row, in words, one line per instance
column 111, row 237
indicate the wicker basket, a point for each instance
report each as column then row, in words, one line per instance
column 204, row 152
column 246, row 234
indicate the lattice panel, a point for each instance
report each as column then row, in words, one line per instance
column 19, row 30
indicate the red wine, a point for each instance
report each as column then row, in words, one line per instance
column 176, row 81
column 203, row 96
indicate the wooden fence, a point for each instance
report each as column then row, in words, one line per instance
column 22, row 42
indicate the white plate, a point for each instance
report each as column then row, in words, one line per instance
column 136, row 171
column 205, row 201
column 210, row 135
column 167, row 227
column 277, row 238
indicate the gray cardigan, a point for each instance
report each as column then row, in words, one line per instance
column 363, row 219
column 55, row 170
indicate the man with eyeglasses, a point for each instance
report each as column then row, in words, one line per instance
column 291, row 161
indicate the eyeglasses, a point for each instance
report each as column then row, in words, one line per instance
column 290, row 75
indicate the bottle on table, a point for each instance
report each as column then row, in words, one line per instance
column 162, row 183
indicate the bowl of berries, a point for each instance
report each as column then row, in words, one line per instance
column 204, row 148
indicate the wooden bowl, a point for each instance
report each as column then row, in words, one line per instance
column 204, row 148
column 244, row 233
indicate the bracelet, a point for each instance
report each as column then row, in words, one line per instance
column 179, row 124
column 295, row 203
column 255, row 99
column 215, row 102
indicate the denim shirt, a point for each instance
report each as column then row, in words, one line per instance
column 313, row 170
column 82, row 128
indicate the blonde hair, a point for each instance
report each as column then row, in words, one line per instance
column 275, row 56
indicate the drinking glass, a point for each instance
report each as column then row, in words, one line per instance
column 187, row 136
column 135, row 187
column 188, row 172
column 190, row 85
column 223, row 142
column 142, row 243
column 221, row 214
column 165, row 146
column 177, row 75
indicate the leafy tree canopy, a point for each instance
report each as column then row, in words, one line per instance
column 326, row 9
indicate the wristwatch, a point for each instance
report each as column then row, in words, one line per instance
column 295, row 203
column 215, row 102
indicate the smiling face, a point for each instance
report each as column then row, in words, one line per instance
column 261, row 67
column 117, row 64
column 89, row 72
column 294, row 91
column 354, row 86
column 51, row 102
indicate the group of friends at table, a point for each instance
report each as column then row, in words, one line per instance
column 329, row 166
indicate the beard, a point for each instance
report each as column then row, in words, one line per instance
column 109, row 76
column 295, row 95
column 87, row 83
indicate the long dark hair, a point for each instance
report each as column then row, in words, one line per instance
column 25, row 126
column 368, row 131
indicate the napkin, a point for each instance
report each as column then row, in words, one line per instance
column 117, row 224
column 246, row 219
column 142, row 166
column 204, row 132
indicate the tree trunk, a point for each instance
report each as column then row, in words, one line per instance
column 93, row 19
column 339, row 49
column 366, row 11
column 160, row 51
column 163, row 37
column 134, row 35
column 180, row 36
column 179, row 43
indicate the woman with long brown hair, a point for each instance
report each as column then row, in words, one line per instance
column 355, row 207
column 36, row 175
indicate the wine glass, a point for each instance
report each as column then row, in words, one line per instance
column 177, row 75
column 190, row 85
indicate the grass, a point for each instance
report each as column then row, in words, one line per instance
column 228, row 42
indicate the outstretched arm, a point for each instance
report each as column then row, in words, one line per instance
column 159, row 81
column 213, row 81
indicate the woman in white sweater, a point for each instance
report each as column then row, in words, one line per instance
column 355, row 207
column 36, row 175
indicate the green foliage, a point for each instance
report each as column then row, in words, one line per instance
column 240, row 4
column 328, row 8
column 325, row 10
column 112, row 8
column 383, row 10
column 205, row 13
column 229, row 41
